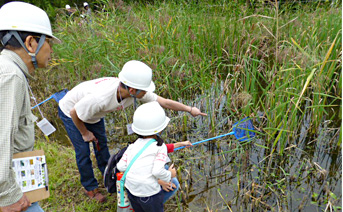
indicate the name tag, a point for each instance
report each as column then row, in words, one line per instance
column 129, row 129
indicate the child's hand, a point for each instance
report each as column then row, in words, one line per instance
column 167, row 186
column 186, row 143
column 183, row 143
column 172, row 170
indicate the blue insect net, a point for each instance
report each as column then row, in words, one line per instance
column 244, row 130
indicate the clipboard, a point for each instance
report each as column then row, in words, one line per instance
column 41, row 193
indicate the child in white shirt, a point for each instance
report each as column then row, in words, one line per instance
column 144, row 191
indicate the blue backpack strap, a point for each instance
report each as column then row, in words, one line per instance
column 122, row 181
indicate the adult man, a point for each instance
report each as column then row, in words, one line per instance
column 83, row 108
column 26, row 38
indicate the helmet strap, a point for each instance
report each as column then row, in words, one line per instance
column 9, row 35
column 133, row 96
column 40, row 44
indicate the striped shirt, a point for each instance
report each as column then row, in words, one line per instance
column 16, row 122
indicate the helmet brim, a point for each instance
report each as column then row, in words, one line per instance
column 56, row 40
column 151, row 87
column 151, row 131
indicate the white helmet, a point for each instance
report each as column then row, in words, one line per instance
column 67, row 6
column 21, row 16
column 85, row 4
column 149, row 119
column 136, row 74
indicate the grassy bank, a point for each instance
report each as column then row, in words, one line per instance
column 281, row 66
column 66, row 193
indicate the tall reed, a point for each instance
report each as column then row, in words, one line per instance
column 280, row 66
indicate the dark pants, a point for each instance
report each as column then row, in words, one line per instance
column 147, row 204
column 82, row 150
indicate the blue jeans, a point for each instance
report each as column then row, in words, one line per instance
column 153, row 203
column 82, row 151
column 169, row 194
column 34, row 208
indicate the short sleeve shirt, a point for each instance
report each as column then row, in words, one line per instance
column 93, row 99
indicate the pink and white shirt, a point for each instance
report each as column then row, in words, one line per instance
column 141, row 180
column 93, row 99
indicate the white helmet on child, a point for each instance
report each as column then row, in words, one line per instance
column 149, row 119
column 67, row 6
column 21, row 16
column 85, row 4
column 136, row 74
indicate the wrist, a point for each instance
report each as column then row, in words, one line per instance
column 84, row 132
column 190, row 111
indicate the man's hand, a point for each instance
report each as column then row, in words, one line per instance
column 88, row 136
column 21, row 205
column 196, row 112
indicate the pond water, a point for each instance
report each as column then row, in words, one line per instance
column 227, row 175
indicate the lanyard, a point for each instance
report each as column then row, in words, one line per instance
column 35, row 100
column 32, row 96
column 44, row 125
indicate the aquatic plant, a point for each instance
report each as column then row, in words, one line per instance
column 280, row 66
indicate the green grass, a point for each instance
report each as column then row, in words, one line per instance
column 283, row 59
column 277, row 65
column 66, row 193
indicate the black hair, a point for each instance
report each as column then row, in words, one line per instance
column 124, row 86
column 13, row 42
column 128, row 87
column 159, row 140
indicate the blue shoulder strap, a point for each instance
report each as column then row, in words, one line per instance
column 122, row 181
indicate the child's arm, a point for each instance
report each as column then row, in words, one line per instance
column 171, row 147
column 167, row 186
column 122, row 164
column 158, row 169
column 172, row 170
column 183, row 143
